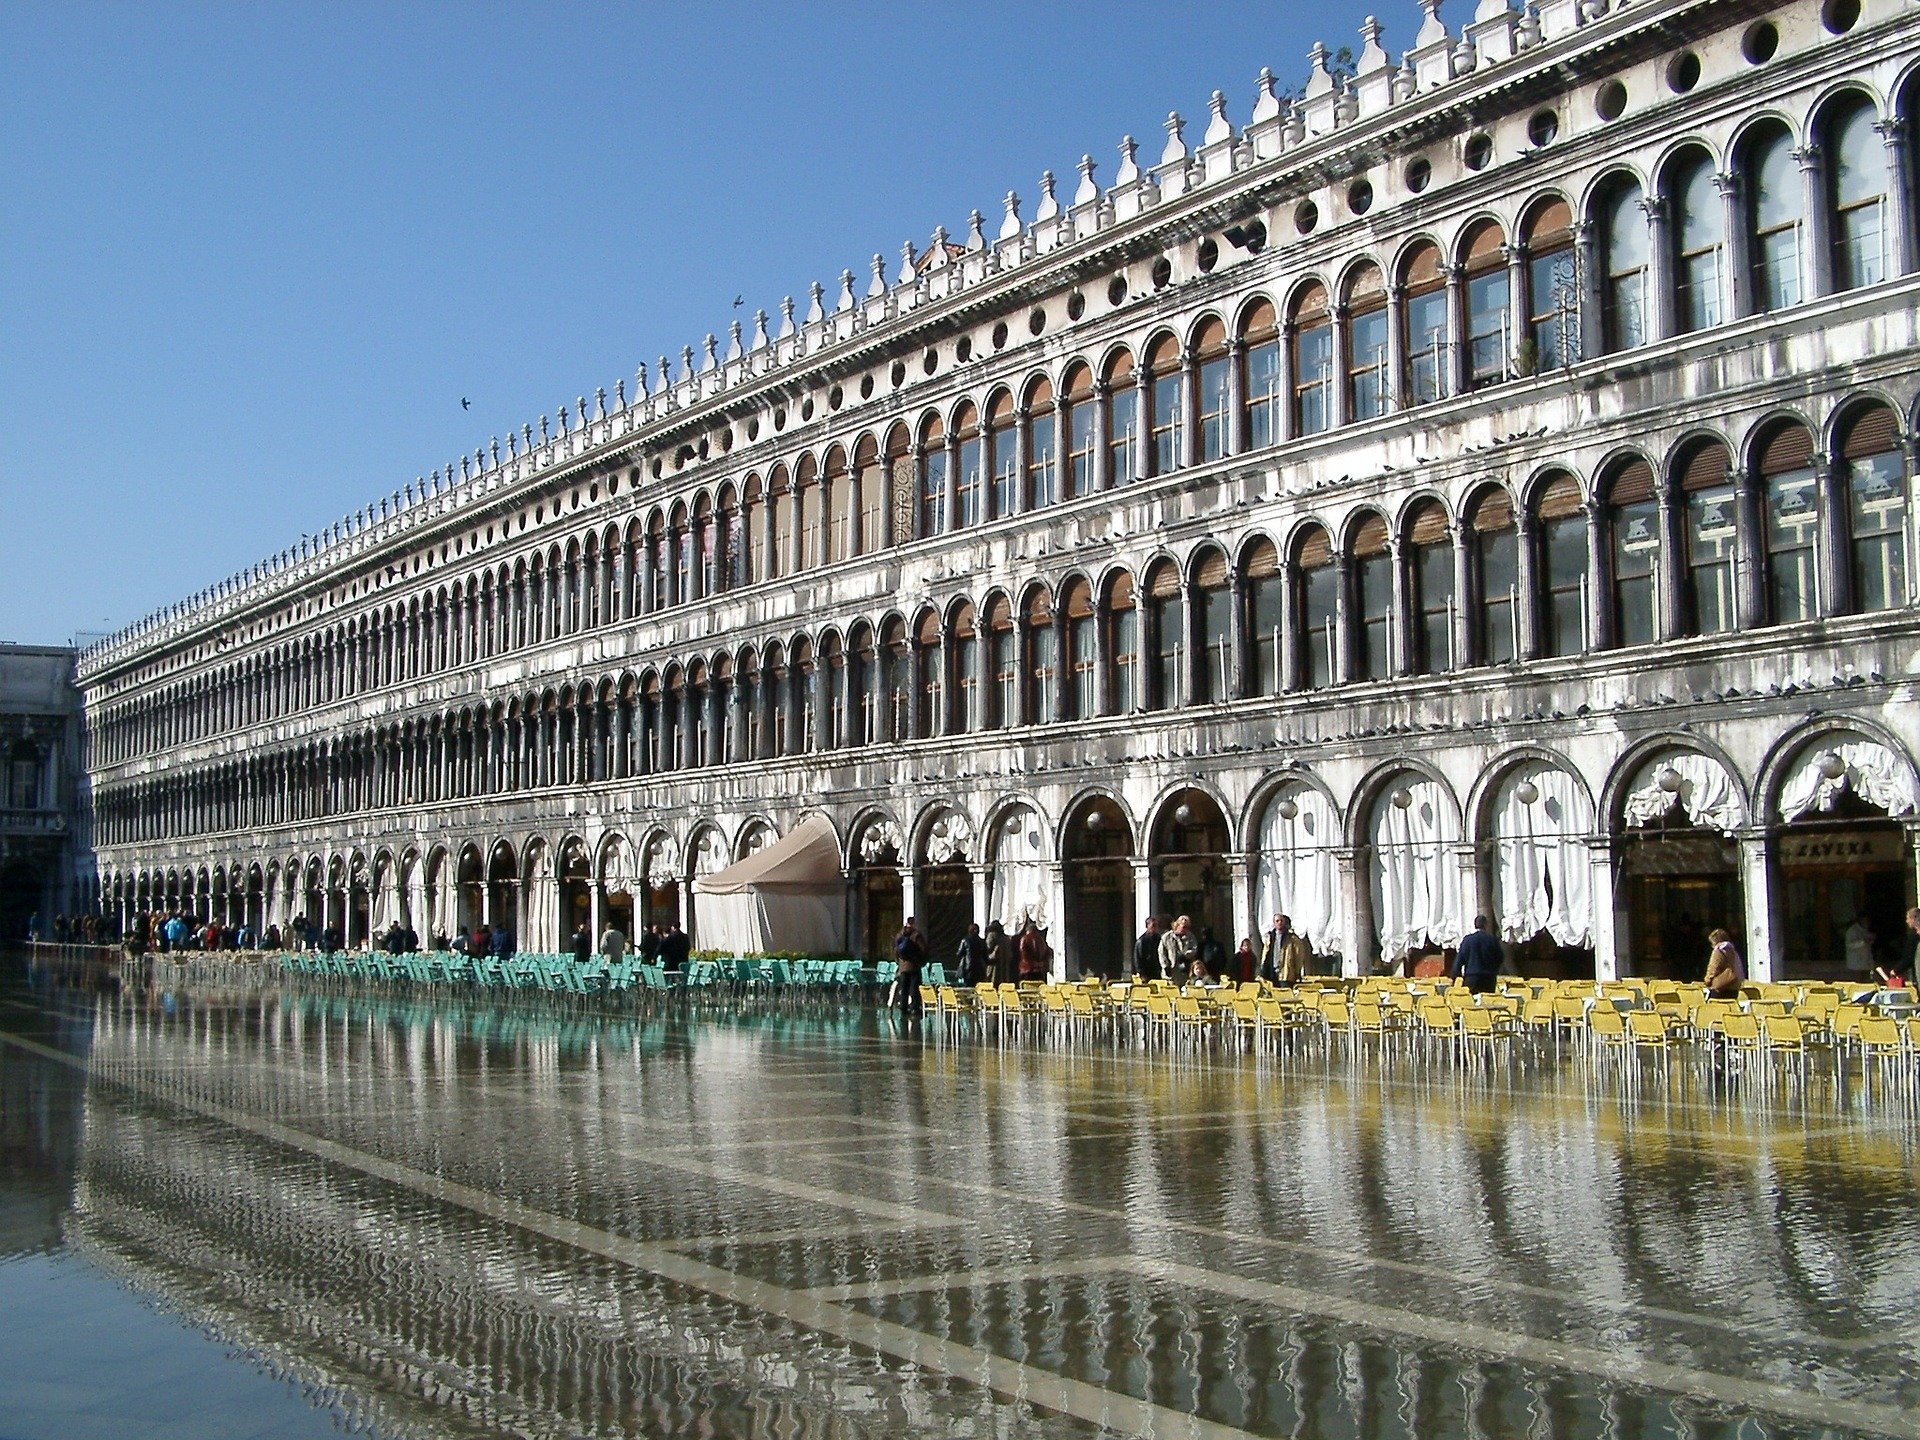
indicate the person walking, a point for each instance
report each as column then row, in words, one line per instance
column 613, row 943
column 1033, row 957
column 1726, row 972
column 1179, row 949
column 675, row 947
column 1146, row 951
column 500, row 943
column 1284, row 955
column 1478, row 960
column 999, row 953
column 970, row 956
column 909, row 955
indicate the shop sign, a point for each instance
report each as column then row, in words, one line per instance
column 1183, row 877
column 1841, row 848
column 1101, row 878
column 946, row 880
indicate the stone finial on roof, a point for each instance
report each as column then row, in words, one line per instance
column 1433, row 30
column 910, row 260
column 494, row 448
column 734, row 346
column 563, row 420
column 686, row 362
column 1010, row 224
column 1129, row 170
column 760, row 340
column 1049, row 206
column 1266, row 104
column 526, row 438
column 543, row 429
column 877, row 280
column 619, row 396
column 600, row 403
column 1218, row 126
column 816, row 302
column 1176, row 148
column 713, row 354
column 1086, row 191
column 1319, row 77
column 666, row 374
column 1373, row 55
column 513, row 446
column 786, row 317
column 845, row 300
column 976, row 231
column 640, row 380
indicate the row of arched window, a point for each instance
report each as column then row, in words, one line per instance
column 1785, row 222
column 1641, row 556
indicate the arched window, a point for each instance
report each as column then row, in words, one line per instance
column 1633, row 516
column 966, row 709
column 837, row 494
column 1792, row 498
column 1858, row 185
column 776, row 699
column 902, row 504
column 970, row 483
column 1213, row 605
column 1166, row 619
column 1003, row 446
column 1367, row 387
column 932, row 508
column 1624, row 255
column 1429, row 374
column 752, row 706
column 1553, row 289
column 775, row 516
column 1123, row 647
column 1082, row 651
column 1078, row 471
column 1561, row 530
column 1697, row 242
column 1430, row 573
column 731, row 538
column 1774, row 202
column 656, row 724
column 1164, row 419
column 726, row 749
column 1003, row 668
column 1876, row 479
column 660, row 563
column 705, row 547
column 896, row 680
column 1214, row 401
column 803, row 697
column 862, row 710
column 872, row 483
column 1123, row 421
column 1496, row 557
column 812, row 511
column 1373, row 599
column 1042, row 658
column 700, row 711
column 1261, row 334
column 1317, row 604
column 753, row 522
column 928, row 665
column 1712, row 537
column 1489, row 302
column 1266, row 617
column 1043, row 455
column 1312, row 360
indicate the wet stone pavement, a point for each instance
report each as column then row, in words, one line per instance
column 268, row 1212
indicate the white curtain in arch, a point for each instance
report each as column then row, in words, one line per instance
column 1705, row 793
column 430, row 905
column 1296, row 873
column 1873, row 773
column 540, row 923
column 1416, row 879
column 1541, row 857
column 1019, row 877
column 386, row 901
column 709, row 858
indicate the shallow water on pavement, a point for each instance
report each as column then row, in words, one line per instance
column 268, row 1212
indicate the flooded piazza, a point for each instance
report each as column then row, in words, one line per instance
column 439, row 1217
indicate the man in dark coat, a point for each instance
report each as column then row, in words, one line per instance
column 675, row 947
column 1146, row 951
column 1479, row 959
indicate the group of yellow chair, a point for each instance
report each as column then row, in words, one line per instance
column 1394, row 1011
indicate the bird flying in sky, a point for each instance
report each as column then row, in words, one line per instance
column 465, row 404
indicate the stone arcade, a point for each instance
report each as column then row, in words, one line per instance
column 1481, row 481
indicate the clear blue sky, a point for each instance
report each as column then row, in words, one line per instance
column 252, row 256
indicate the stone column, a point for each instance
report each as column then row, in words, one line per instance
column 1240, row 879
column 1609, row 963
column 1519, row 307
column 1750, row 550
column 1396, row 396
column 1189, row 437
column 950, row 501
column 1403, row 619
column 1238, row 670
column 1236, row 396
column 1836, row 568
column 1288, row 660
column 1343, row 620
column 1817, row 257
column 1462, row 630
column 1356, row 945
column 1900, row 218
column 1286, row 423
column 1736, row 290
column 1142, row 894
column 1670, row 565
column 1764, row 916
column 1590, row 340
column 1057, row 920
column 1459, row 346
column 1659, row 316
column 1340, row 410
column 1102, row 478
column 1528, row 587
column 1599, row 617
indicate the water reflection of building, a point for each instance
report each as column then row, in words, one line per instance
column 42, row 1120
column 1521, row 521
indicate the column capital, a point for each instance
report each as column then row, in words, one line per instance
column 1892, row 130
column 1727, row 182
column 1811, row 158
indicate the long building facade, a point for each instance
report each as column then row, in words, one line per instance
column 1481, row 482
